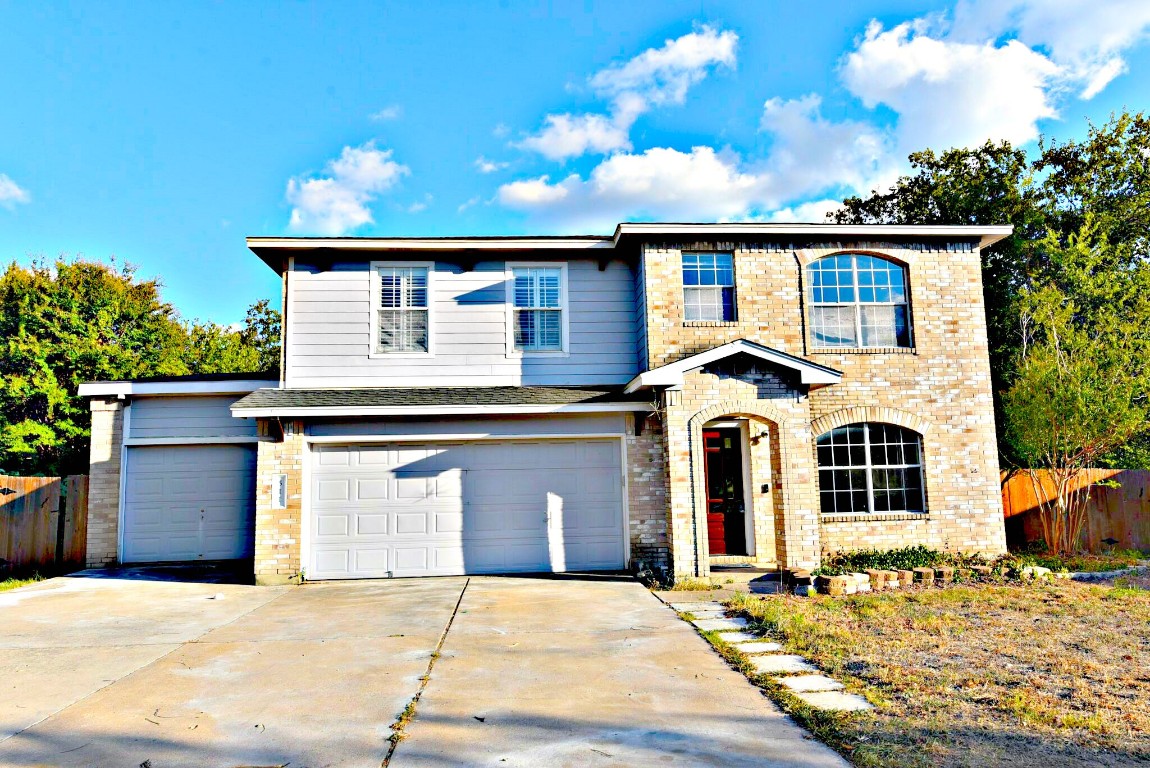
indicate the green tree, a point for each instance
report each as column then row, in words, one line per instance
column 1104, row 179
column 1081, row 390
column 67, row 322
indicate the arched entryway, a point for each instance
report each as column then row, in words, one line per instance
column 738, row 494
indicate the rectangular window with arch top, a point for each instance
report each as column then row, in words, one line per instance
column 402, row 309
column 708, row 287
column 537, row 309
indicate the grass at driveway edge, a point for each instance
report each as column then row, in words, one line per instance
column 8, row 584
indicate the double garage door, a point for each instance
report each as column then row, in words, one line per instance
column 470, row 507
column 189, row 503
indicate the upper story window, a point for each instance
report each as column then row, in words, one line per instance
column 402, row 313
column 708, row 287
column 858, row 301
column 870, row 468
column 538, row 296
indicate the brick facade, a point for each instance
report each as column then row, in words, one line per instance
column 278, row 530
column 104, row 482
column 647, row 494
column 940, row 388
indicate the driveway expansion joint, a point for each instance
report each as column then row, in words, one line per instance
column 409, row 711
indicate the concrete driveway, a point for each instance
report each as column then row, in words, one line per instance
column 529, row 672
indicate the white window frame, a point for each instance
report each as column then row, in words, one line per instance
column 869, row 467
column 734, row 288
column 376, row 296
column 857, row 305
column 564, row 309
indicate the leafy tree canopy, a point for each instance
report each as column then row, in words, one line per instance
column 68, row 322
column 1081, row 216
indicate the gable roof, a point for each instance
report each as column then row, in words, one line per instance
column 671, row 375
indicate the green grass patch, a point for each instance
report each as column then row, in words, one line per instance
column 8, row 584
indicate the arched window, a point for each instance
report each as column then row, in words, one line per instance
column 858, row 301
column 870, row 468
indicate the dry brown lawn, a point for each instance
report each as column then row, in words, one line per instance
column 1047, row 675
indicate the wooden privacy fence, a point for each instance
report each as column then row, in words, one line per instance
column 1121, row 513
column 43, row 523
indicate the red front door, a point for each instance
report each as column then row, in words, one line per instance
column 723, row 469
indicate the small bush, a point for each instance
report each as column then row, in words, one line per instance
column 904, row 559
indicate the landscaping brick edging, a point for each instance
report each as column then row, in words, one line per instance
column 803, row 584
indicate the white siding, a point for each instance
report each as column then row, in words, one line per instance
column 329, row 330
column 193, row 417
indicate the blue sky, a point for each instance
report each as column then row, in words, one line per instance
column 165, row 137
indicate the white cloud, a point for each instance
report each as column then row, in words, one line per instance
column 488, row 166
column 951, row 93
column 656, row 77
column 659, row 183
column 12, row 193
column 390, row 112
column 992, row 70
column 337, row 202
column 420, row 205
column 1086, row 37
column 663, row 75
column 468, row 204
column 573, row 135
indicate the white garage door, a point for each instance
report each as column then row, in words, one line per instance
column 455, row 508
column 189, row 502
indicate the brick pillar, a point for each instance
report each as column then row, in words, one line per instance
column 277, row 543
column 104, row 482
column 647, row 493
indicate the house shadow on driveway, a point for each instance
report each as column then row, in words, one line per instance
column 213, row 572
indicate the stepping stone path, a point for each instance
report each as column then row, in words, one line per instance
column 758, row 645
column 781, row 662
column 810, row 683
column 792, row 672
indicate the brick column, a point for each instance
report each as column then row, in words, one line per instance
column 277, row 542
column 104, row 482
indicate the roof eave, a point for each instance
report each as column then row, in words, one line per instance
column 672, row 374
column 137, row 388
column 434, row 410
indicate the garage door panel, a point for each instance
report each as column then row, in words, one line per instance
column 373, row 524
column 455, row 508
column 189, row 502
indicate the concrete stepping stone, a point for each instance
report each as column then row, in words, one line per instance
column 738, row 637
column 782, row 662
column 702, row 605
column 713, row 625
column 810, row 683
column 758, row 645
column 835, row 700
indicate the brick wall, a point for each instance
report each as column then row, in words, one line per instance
column 941, row 388
column 647, row 495
column 277, row 540
column 104, row 482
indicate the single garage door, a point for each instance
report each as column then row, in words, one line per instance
column 472, row 507
column 189, row 502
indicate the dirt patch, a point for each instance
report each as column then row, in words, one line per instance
column 1055, row 675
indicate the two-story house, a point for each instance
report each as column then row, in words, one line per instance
column 673, row 395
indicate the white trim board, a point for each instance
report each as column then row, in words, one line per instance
column 246, row 440
column 987, row 235
column 433, row 410
column 127, row 388
column 441, row 438
column 671, row 375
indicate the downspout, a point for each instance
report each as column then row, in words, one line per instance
column 285, row 292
